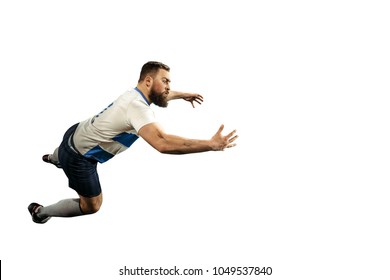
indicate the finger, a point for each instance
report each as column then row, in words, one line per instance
column 220, row 129
column 231, row 134
column 198, row 101
column 233, row 139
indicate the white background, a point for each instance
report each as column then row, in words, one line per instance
column 306, row 85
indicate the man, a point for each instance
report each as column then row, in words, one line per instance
column 112, row 131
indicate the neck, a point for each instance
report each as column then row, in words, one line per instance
column 144, row 90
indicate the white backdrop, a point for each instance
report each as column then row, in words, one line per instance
column 305, row 84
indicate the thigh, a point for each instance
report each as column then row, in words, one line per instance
column 81, row 172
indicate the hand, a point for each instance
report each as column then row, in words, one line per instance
column 193, row 97
column 221, row 142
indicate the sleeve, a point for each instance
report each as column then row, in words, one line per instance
column 139, row 114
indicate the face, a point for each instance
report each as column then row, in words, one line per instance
column 160, row 88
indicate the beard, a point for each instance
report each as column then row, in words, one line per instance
column 160, row 99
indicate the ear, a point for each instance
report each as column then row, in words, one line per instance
column 148, row 81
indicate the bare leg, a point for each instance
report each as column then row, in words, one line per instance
column 90, row 205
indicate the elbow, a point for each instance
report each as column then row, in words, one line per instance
column 163, row 148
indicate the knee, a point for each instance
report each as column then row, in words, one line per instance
column 90, row 208
column 91, row 205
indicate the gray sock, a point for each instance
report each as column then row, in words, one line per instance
column 64, row 208
column 54, row 157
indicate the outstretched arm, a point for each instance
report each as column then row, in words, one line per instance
column 190, row 97
column 173, row 144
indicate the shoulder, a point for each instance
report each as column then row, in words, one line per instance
column 131, row 101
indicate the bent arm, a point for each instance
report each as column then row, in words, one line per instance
column 190, row 97
column 174, row 95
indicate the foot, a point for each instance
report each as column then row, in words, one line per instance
column 33, row 208
column 46, row 158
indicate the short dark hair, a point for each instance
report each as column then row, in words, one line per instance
column 151, row 68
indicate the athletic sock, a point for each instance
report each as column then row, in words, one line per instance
column 54, row 157
column 64, row 208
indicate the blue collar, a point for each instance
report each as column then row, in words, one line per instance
column 140, row 92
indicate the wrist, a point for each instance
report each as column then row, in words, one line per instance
column 213, row 145
column 173, row 94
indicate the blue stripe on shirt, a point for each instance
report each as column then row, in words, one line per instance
column 126, row 139
column 97, row 153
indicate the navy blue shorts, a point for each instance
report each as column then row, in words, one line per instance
column 81, row 171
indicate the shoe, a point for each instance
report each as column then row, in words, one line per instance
column 46, row 158
column 33, row 209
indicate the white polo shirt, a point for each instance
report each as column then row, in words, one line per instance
column 115, row 128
